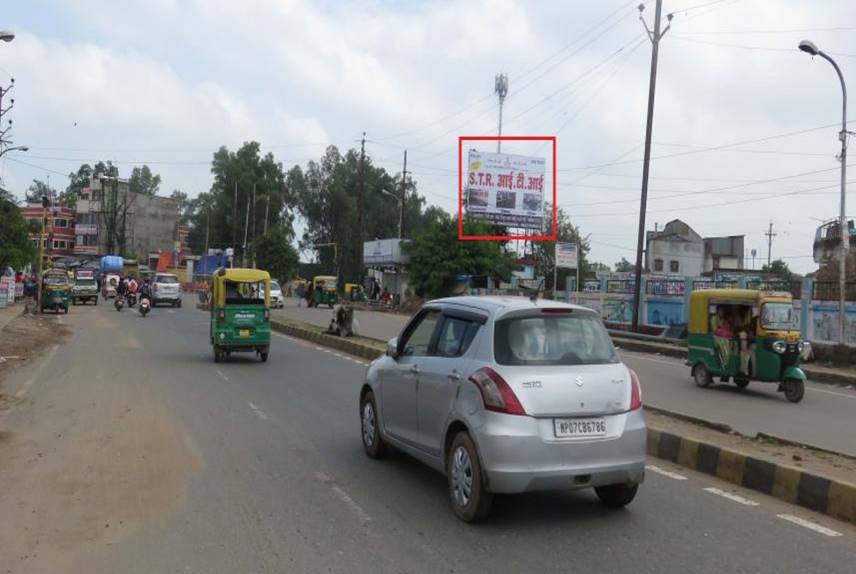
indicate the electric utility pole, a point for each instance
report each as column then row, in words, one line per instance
column 235, row 220
column 770, row 235
column 404, row 173
column 501, row 90
column 655, row 38
column 360, row 204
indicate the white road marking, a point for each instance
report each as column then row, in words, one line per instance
column 222, row 375
column 731, row 496
column 344, row 497
column 810, row 525
column 665, row 472
column 32, row 380
column 258, row 412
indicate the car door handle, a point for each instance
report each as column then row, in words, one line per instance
column 454, row 376
column 414, row 369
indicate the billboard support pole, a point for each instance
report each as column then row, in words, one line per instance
column 555, row 270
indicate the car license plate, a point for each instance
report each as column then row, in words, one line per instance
column 243, row 332
column 573, row 428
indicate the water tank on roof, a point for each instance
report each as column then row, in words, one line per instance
column 113, row 263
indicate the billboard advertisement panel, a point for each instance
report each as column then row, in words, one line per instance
column 505, row 189
column 566, row 255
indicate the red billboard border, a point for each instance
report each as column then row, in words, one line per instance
column 553, row 225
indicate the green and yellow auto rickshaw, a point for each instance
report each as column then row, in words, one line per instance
column 745, row 335
column 324, row 291
column 240, row 312
column 55, row 290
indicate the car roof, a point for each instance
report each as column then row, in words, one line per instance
column 493, row 304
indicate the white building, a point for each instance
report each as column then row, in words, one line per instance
column 676, row 249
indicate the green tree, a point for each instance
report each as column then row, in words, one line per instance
column 780, row 269
column 16, row 250
column 37, row 189
column 226, row 220
column 437, row 255
column 80, row 179
column 545, row 251
column 596, row 266
column 143, row 181
column 276, row 254
column 624, row 266
column 328, row 195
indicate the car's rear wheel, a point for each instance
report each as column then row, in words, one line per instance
column 616, row 495
column 218, row 356
column 470, row 500
column 373, row 443
column 701, row 375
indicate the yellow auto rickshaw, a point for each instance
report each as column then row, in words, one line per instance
column 324, row 291
column 55, row 290
column 354, row 292
column 240, row 312
column 745, row 335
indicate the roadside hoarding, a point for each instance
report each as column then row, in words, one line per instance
column 505, row 189
column 566, row 255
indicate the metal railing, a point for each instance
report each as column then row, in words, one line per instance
column 829, row 291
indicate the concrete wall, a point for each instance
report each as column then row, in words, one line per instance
column 155, row 225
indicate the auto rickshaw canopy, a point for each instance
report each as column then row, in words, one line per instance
column 55, row 277
column 700, row 301
column 325, row 281
column 222, row 276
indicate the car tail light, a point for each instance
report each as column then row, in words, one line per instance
column 496, row 393
column 635, row 391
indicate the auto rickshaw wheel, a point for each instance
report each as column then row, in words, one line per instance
column 701, row 376
column 263, row 355
column 794, row 389
column 65, row 310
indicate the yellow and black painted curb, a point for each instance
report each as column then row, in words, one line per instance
column 359, row 346
column 794, row 485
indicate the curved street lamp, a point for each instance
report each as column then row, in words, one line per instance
column 14, row 148
column 810, row 48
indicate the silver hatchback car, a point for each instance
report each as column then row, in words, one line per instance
column 508, row 395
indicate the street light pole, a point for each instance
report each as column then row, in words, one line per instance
column 810, row 48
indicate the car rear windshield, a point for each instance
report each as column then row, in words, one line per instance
column 166, row 279
column 576, row 338
column 274, row 286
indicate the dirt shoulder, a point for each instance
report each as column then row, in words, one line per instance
column 24, row 338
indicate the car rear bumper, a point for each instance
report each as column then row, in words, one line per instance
column 518, row 455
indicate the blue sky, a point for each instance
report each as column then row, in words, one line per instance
column 166, row 82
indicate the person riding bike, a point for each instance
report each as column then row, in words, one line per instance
column 122, row 287
column 146, row 289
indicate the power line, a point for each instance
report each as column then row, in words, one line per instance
column 711, row 148
column 745, row 47
column 773, row 31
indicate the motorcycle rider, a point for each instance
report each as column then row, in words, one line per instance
column 122, row 287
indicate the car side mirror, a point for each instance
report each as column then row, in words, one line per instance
column 392, row 348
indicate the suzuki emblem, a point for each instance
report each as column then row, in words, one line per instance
column 579, row 381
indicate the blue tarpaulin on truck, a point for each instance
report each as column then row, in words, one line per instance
column 112, row 264
column 207, row 264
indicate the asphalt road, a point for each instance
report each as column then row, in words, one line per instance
column 265, row 473
column 825, row 417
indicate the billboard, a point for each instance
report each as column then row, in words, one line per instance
column 505, row 189
column 566, row 255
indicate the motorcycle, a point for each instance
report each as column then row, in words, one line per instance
column 145, row 306
column 119, row 303
column 132, row 299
